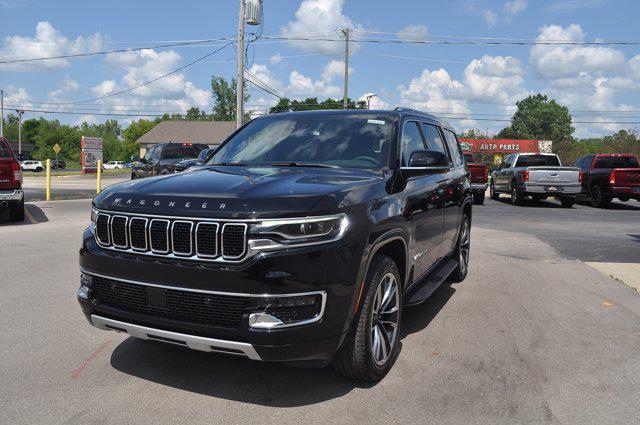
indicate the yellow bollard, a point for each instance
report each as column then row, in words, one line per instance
column 99, row 181
column 48, row 166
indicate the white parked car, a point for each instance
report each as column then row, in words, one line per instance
column 34, row 166
column 114, row 165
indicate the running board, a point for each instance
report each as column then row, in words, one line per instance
column 430, row 283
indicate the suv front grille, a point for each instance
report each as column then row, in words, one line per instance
column 185, row 238
column 185, row 306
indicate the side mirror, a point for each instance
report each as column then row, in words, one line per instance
column 429, row 159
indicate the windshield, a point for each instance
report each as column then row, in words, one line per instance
column 616, row 162
column 538, row 161
column 344, row 140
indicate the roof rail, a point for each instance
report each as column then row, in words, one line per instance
column 402, row 108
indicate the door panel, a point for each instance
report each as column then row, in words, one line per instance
column 454, row 187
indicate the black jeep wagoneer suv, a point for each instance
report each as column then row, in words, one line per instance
column 300, row 240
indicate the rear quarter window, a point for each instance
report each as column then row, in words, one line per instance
column 5, row 152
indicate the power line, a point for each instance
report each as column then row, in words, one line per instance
column 105, row 52
column 137, row 86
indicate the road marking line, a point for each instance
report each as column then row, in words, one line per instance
column 29, row 216
column 76, row 373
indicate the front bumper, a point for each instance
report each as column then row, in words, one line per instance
column 545, row 189
column 479, row 187
column 13, row 195
column 329, row 269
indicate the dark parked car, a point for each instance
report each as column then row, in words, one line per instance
column 188, row 163
column 58, row 164
column 608, row 176
column 301, row 240
column 163, row 158
column 11, row 195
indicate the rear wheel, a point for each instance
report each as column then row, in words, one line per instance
column 517, row 198
column 134, row 176
column 462, row 251
column 599, row 199
column 492, row 192
column 567, row 201
column 16, row 212
column 371, row 347
column 478, row 198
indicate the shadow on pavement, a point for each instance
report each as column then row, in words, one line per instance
column 33, row 215
column 529, row 203
column 239, row 379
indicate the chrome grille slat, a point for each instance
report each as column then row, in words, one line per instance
column 177, row 238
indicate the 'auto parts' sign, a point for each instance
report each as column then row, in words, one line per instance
column 91, row 153
column 504, row 145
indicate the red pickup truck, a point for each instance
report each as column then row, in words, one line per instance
column 608, row 176
column 11, row 195
column 479, row 178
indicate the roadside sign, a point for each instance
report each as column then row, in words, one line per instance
column 56, row 148
column 91, row 153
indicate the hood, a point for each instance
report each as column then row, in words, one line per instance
column 232, row 192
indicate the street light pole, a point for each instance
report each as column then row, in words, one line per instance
column 369, row 100
column 240, row 76
column 345, row 102
column 20, row 112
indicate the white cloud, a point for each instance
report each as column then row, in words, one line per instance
column 413, row 33
column 490, row 17
column 67, row 86
column 264, row 75
column 375, row 101
column 47, row 42
column 573, row 5
column 334, row 70
column 304, row 86
column 495, row 79
column 515, row 7
column 562, row 60
column 320, row 18
column 18, row 96
column 275, row 59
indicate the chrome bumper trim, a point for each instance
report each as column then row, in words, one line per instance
column 540, row 188
column 11, row 195
column 191, row 341
column 479, row 186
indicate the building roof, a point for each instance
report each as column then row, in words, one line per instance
column 206, row 132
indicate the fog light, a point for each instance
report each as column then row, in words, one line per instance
column 85, row 279
column 83, row 292
column 276, row 312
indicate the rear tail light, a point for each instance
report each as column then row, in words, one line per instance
column 612, row 178
column 16, row 172
column 580, row 177
column 525, row 176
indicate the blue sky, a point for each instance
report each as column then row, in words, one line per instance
column 476, row 82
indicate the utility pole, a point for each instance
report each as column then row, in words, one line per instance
column 240, row 76
column 346, row 68
column 1, row 113
column 20, row 112
column 369, row 100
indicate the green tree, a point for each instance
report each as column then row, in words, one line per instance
column 132, row 133
column 195, row 114
column 622, row 142
column 224, row 98
column 539, row 118
column 312, row 104
column 474, row 134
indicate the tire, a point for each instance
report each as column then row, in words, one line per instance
column 462, row 251
column 567, row 201
column 37, row 170
column 492, row 192
column 517, row 198
column 599, row 199
column 16, row 213
column 478, row 198
column 134, row 176
column 356, row 358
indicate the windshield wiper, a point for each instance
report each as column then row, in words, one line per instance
column 299, row 164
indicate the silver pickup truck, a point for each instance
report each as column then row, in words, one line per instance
column 538, row 175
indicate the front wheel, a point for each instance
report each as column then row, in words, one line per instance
column 462, row 251
column 492, row 192
column 371, row 347
column 16, row 213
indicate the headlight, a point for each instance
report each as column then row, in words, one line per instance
column 94, row 215
column 297, row 231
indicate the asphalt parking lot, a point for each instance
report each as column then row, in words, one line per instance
column 536, row 334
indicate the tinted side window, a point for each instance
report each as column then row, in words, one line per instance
column 180, row 151
column 454, row 147
column 156, row 153
column 4, row 150
column 411, row 141
column 149, row 154
column 434, row 139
